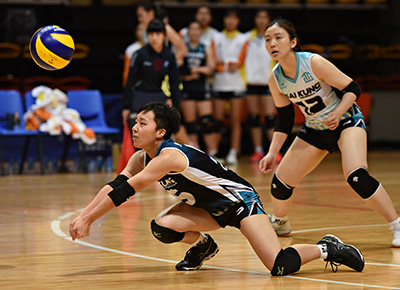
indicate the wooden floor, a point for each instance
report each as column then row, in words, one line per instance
column 121, row 253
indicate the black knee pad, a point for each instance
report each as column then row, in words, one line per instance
column 363, row 183
column 217, row 125
column 207, row 124
column 191, row 127
column 280, row 190
column 287, row 262
column 253, row 120
column 165, row 235
column 270, row 121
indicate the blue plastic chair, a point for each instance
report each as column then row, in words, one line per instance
column 29, row 100
column 89, row 104
column 11, row 103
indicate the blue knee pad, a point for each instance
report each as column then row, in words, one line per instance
column 280, row 190
column 363, row 183
column 165, row 235
column 287, row 262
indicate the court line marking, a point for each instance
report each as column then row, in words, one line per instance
column 55, row 226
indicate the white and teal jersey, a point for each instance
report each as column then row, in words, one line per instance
column 315, row 98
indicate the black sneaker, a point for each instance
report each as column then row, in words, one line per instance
column 196, row 255
column 341, row 253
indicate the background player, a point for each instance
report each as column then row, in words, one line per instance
column 145, row 13
column 229, row 84
column 196, row 103
column 150, row 65
column 131, row 49
column 258, row 66
column 204, row 17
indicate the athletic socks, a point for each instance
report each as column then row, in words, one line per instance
column 324, row 251
column 202, row 239
column 395, row 223
column 275, row 218
column 259, row 149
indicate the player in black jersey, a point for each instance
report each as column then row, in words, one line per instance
column 196, row 106
column 211, row 197
column 149, row 66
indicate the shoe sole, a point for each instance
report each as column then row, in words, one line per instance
column 358, row 251
column 210, row 256
column 395, row 246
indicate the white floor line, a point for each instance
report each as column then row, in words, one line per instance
column 55, row 226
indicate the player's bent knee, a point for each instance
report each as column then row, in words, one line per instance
column 165, row 235
column 253, row 120
column 363, row 183
column 208, row 124
column 191, row 128
column 280, row 190
column 270, row 121
column 287, row 262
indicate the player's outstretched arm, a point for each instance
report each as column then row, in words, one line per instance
column 167, row 161
column 134, row 166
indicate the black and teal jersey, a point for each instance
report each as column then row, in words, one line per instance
column 205, row 182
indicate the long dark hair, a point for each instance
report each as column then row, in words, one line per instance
column 289, row 27
column 159, row 12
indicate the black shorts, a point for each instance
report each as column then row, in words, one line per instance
column 193, row 95
column 235, row 211
column 327, row 139
column 258, row 90
column 229, row 95
column 141, row 98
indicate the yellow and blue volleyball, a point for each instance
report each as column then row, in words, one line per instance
column 52, row 47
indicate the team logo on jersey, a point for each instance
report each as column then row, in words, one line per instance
column 309, row 91
column 307, row 77
column 147, row 63
column 168, row 183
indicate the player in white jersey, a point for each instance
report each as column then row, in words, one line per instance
column 229, row 80
column 258, row 65
column 204, row 17
column 211, row 197
column 131, row 49
column 326, row 96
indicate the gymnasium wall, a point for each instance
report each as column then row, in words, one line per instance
column 108, row 30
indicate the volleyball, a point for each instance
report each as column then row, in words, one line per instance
column 51, row 47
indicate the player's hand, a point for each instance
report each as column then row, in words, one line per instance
column 267, row 164
column 207, row 71
column 332, row 121
column 233, row 67
column 79, row 228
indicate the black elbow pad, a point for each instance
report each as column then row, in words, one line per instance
column 353, row 87
column 285, row 120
